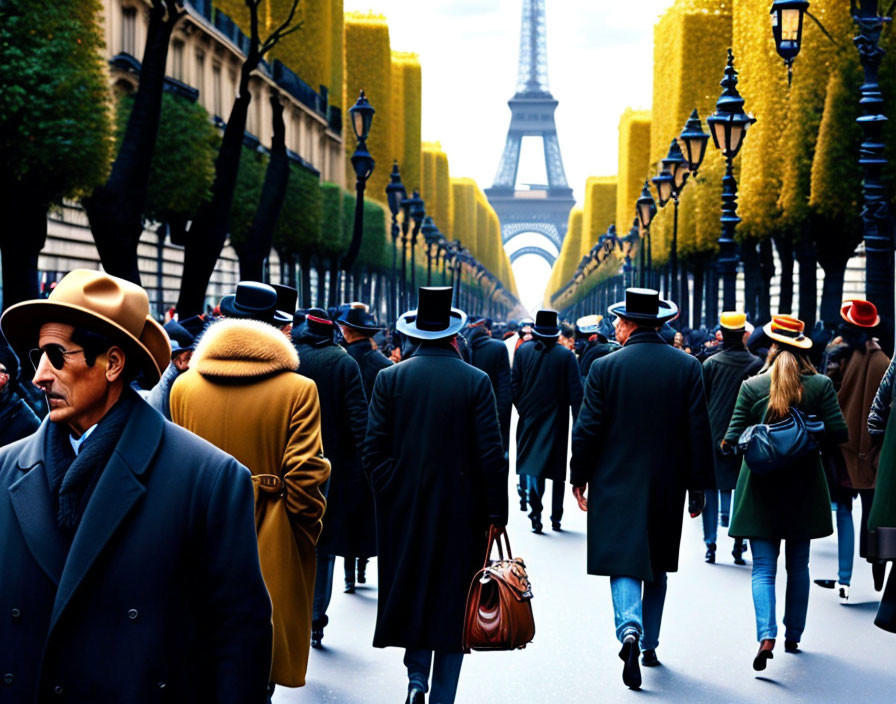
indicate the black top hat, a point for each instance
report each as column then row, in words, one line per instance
column 546, row 324
column 253, row 300
column 434, row 318
column 287, row 299
column 643, row 305
column 357, row 316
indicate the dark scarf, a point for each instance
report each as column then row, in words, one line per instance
column 73, row 478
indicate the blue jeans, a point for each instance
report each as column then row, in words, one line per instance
column 323, row 586
column 629, row 604
column 445, row 668
column 796, row 603
column 711, row 514
column 846, row 541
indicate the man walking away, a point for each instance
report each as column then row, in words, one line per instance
column 723, row 373
column 546, row 385
column 491, row 356
column 597, row 344
column 129, row 562
column 182, row 343
column 433, row 453
column 642, row 439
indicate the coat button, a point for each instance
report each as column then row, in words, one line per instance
column 57, row 690
column 8, row 679
column 160, row 685
column 16, row 614
column 132, row 614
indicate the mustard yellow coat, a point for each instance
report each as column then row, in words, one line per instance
column 242, row 394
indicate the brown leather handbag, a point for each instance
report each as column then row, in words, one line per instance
column 499, row 604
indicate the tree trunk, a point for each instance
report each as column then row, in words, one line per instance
column 766, row 274
column 806, row 258
column 20, row 245
column 697, row 320
column 260, row 237
column 684, row 295
column 322, row 268
column 750, row 258
column 333, row 299
column 305, row 290
column 784, row 245
column 115, row 209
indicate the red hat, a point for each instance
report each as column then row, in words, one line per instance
column 860, row 313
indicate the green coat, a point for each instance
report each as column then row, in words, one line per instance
column 792, row 503
column 883, row 509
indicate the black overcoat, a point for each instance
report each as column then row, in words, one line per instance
column 723, row 373
column 370, row 361
column 594, row 351
column 491, row 356
column 546, row 385
column 434, row 456
column 642, row 439
column 17, row 420
column 348, row 525
column 159, row 599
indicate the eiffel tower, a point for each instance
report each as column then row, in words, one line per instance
column 541, row 208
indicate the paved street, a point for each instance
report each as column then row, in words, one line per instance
column 707, row 641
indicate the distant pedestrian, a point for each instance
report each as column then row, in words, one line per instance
column 522, row 334
column 641, row 441
column 359, row 326
column 723, row 373
column 182, row 342
column 129, row 562
column 791, row 504
column 343, row 419
column 242, row 394
column 491, row 356
column 597, row 343
column 856, row 364
column 434, row 456
column 546, row 387
column 17, row 420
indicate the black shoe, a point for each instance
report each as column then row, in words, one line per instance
column 826, row 583
column 537, row 526
column 555, row 525
column 764, row 655
column 649, row 658
column 878, row 572
column 791, row 646
column 631, row 671
column 740, row 547
column 415, row 696
column 349, row 587
column 710, row 557
column 362, row 574
column 317, row 632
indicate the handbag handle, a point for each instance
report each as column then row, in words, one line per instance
column 495, row 533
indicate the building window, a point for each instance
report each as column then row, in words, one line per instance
column 200, row 72
column 217, row 88
column 177, row 59
column 129, row 30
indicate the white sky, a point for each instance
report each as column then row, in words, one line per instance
column 600, row 58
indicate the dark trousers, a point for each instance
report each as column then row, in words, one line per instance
column 886, row 614
column 445, row 670
column 323, row 588
column 535, row 493
column 351, row 565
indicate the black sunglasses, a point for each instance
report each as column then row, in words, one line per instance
column 55, row 353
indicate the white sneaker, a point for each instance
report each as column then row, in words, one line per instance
column 843, row 592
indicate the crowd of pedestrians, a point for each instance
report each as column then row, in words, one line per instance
column 175, row 497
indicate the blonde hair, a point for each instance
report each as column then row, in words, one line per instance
column 787, row 368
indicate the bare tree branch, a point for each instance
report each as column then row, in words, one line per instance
column 282, row 31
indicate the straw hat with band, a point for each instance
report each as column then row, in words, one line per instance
column 102, row 304
column 589, row 324
column 860, row 313
column 788, row 331
column 735, row 322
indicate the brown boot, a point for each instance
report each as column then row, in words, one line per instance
column 764, row 655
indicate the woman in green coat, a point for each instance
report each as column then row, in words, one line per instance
column 791, row 504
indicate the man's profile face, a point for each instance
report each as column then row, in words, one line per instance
column 76, row 394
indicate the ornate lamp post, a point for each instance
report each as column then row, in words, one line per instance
column 694, row 140
column 362, row 162
column 417, row 212
column 669, row 184
column 728, row 126
column 876, row 223
column 452, row 254
column 646, row 210
column 405, row 233
column 787, row 28
column 431, row 237
column 632, row 238
column 396, row 194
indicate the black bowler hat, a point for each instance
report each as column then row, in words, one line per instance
column 253, row 300
column 317, row 322
column 357, row 316
column 643, row 305
column 434, row 318
column 547, row 324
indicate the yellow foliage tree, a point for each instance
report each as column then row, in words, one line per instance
column 407, row 112
column 463, row 211
column 634, row 161
column 600, row 210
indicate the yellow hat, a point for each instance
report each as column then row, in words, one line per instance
column 732, row 320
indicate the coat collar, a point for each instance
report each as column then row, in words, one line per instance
column 648, row 336
column 119, row 488
column 436, row 351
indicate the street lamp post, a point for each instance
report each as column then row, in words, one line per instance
column 876, row 223
column 417, row 212
column 728, row 126
column 669, row 184
column 431, row 237
column 396, row 194
column 646, row 209
column 405, row 232
column 363, row 163
column 787, row 28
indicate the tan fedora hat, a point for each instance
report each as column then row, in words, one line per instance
column 99, row 303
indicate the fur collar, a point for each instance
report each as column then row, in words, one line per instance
column 243, row 349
